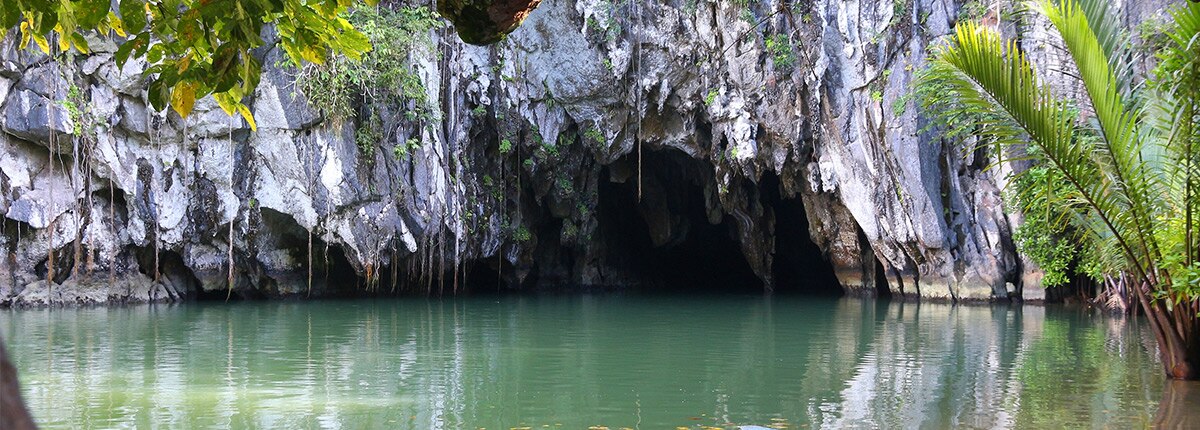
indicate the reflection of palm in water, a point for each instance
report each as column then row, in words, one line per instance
column 1179, row 405
column 582, row 361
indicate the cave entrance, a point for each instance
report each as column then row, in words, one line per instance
column 692, row 254
column 668, row 243
column 800, row 266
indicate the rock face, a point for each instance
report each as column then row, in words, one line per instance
column 482, row 22
column 689, row 144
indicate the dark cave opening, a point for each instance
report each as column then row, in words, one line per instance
column 171, row 269
column 705, row 258
column 800, row 266
column 692, row 254
column 882, row 289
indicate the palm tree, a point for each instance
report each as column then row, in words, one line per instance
column 1127, row 153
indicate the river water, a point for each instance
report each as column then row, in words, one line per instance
column 572, row 362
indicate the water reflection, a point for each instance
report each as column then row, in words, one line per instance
column 580, row 361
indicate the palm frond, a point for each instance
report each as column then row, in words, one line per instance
column 1114, row 41
column 993, row 79
column 1121, row 147
column 1173, row 117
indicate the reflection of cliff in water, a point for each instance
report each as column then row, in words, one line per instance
column 582, row 361
column 999, row 367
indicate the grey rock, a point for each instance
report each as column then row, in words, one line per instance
column 32, row 117
column 717, row 134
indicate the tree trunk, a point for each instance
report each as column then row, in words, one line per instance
column 1177, row 330
column 13, row 414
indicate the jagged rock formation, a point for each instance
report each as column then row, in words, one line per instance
column 638, row 143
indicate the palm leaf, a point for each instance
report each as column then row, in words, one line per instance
column 993, row 79
column 1120, row 157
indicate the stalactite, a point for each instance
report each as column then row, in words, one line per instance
column 441, row 273
column 91, row 206
column 394, row 258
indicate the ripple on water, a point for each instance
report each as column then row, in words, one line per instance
column 580, row 361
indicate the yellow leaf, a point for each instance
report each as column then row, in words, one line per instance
column 80, row 43
column 25, row 32
column 115, row 23
column 41, row 43
column 313, row 55
column 64, row 44
column 249, row 117
column 183, row 98
column 226, row 102
column 185, row 62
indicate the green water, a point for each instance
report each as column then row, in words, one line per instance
column 578, row 361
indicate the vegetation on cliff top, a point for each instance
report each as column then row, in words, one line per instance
column 196, row 48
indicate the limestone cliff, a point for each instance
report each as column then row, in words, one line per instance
column 770, row 144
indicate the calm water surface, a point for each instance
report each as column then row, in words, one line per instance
column 579, row 361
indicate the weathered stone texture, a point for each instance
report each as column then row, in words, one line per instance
column 723, row 126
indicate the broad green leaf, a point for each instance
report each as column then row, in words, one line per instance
column 133, row 15
column 80, row 43
column 89, row 13
column 10, row 15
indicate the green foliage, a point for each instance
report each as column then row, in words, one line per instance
column 877, row 96
column 385, row 75
column 383, row 79
column 711, row 97
column 901, row 103
column 521, row 234
column 565, row 186
column 368, row 135
column 1152, row 35
column 505, row 146
column 1125, row 183
column 594, row 135
column 610, row 25
column 194, row 47
column 402, row 150
column 779, row 47
column 973, row 10
column 569, row 231
column 1042, row 236
column 73, row 102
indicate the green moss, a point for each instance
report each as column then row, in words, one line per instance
column 711, row 97
column 522, row 234
column 594, row 135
